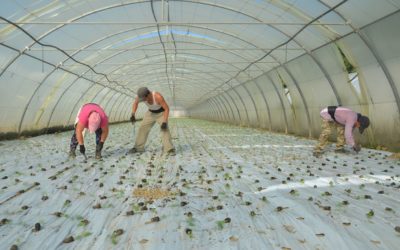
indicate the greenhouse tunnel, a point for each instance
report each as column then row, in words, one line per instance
column 245, row 82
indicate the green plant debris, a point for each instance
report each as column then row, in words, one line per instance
column 220, row 224
column 370, row 214
column 190, row 221
column 83, row 235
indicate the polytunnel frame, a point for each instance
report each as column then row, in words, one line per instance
column 215, row 111
column 149, row 44
column 158, row 55
column 292, row 38
column 369, row 46
column 216, row 59
column 379, row 60
column 157, row 25
column 220, row 111
column 55, row 68
column 155, row 55
column 289, row 36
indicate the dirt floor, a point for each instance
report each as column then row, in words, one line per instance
column 227, row 188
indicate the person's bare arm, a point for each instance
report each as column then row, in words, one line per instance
column 160, row 100
column 79, row 133
column 104, row 134
column 135, row 105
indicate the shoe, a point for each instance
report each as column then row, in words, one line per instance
column 340, row 150
column 171, row 152
column 135, row 150
column 317, row 154
column 98, row 155
column 72, row 154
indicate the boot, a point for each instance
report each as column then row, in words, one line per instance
column 98, row 155
column 171, row 152
column 317, row 154
column 72, row 154
column 340, row 150
column 135, row 150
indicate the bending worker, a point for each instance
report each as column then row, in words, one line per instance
column 158, row 112
column 92, row 117
column 344, row 120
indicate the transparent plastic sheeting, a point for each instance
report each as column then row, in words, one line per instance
column 321, row 78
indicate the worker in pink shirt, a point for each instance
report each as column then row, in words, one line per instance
column 344, row 120
column 92, row 117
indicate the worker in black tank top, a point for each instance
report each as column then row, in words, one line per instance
column 158, row 112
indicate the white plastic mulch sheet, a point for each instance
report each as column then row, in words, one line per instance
column 227, row 187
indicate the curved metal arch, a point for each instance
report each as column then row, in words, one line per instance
column 224, row 100
column 252, row 100
column 143, row 45
column 113, row 104
column 112, row 115
column 69, row 21
column 377, row 57
column 303, row 99
column 140, row 68
column 234, row 103
column 194, row 70
column 244, row 105
column 29, row 103
column 221, row 116
column 214, row 115
column 240, row 97
column 216, row 59
column 124, row 107
column 59, row 100
column 222, row 103
column 191, row 54
column 266, row 103
column 106, row 100
column 221, row 113
column 281, row 101
column 225, row 111
column 83, row 93
column 125, row 112
column 298, row 43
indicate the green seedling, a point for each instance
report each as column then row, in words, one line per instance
column 190, row 221
column 67, row 203
column 370, row 214
column 115, row 235
column 83, row 223
column 220, row 224
column 83, row 235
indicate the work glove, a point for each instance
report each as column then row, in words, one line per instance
column 357, row 148
column 82, row 149
column 133, row 119
column 164, row 126
column 99, row 146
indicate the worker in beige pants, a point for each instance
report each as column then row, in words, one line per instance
column 158, row 112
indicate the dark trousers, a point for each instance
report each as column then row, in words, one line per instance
column 74, row 141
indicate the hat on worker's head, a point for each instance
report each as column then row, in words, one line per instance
column 142, row 93
column 94, row 122
column 364, row 123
